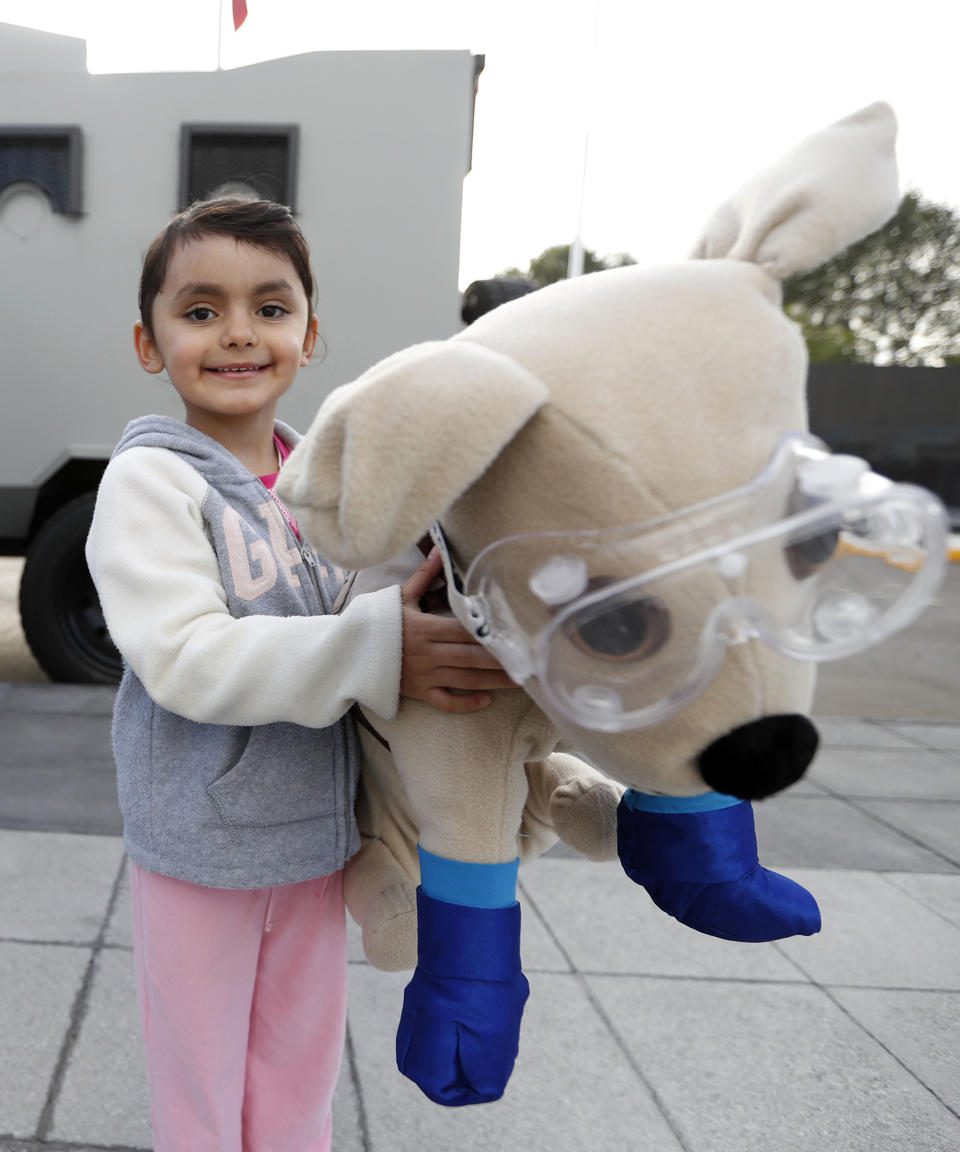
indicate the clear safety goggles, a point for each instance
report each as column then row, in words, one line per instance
column 818, row 557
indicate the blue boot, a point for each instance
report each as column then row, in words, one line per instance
column 459, row 1029
column 697, row 859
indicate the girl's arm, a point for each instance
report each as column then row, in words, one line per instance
column 165, row 607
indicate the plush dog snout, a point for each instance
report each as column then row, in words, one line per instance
column 760, row 758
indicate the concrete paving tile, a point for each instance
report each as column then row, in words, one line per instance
column 940, row 893
column 946, row 737
column 105, row 1097
column 538, row 945
column 354, row 942
column 913, row 772
column 771, row 1067
column 572, row 1088
column 920, row 1028
column 606, row 923
column 815, row 832
column 874, row 935
column 935, row 824
column 40, row 983
column 55, row 886
column 62, row 738
column 348, row 1122
column 60, row 795
column 68, row 699
column 841, row 732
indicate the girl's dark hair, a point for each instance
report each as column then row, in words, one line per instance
column 259, row 222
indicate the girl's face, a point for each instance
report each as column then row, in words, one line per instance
column 232, row 326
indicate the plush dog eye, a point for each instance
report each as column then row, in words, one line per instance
column 628, row 628
column 806, row 558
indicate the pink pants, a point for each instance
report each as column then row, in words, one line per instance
column 243, row 998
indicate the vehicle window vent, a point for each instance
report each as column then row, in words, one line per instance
column 50, row 158
column 254, row 158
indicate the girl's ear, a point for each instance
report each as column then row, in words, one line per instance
column 147, row 351
column 310, row 341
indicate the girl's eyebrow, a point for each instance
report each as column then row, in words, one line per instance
column 198, row 288
column 270, row 286
column 209, row 289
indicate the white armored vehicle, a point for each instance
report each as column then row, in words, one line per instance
column 370, row 150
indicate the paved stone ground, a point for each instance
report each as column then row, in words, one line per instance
column 640, row 1035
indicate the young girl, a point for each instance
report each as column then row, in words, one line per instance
column 236, row 761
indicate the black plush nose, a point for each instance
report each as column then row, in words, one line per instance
column 760, row 758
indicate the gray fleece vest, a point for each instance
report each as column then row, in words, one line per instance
column 225, row 806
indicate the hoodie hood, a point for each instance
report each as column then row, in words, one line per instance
column 207, row 455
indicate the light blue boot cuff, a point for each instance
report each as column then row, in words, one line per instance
column 476, row 885
column 706, row 802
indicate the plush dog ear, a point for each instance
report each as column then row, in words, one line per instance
column 830, row 191
column 389, row 453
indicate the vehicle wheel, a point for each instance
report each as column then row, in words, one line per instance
column 59, row 608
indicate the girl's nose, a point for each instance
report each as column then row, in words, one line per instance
column 238, row 329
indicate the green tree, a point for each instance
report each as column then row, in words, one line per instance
column 893, row 298
column 551, row 264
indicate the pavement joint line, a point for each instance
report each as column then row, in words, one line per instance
column 31, row 1144
column 907, row 735
column 887, row 877
column 880, row 1043
column 608, row 1024
column 852, row 802
column 890, row 878
column 82, row 945
column 828, row 991
column 77, row 1016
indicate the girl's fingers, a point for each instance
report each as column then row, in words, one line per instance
column 417, row 584
column 472, row 679
column 452, row 702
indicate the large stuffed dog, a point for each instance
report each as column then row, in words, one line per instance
column 636, row 522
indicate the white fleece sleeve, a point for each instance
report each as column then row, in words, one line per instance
column 166, row 609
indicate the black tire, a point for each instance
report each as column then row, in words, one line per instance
column 59, row 609
column 482, row 296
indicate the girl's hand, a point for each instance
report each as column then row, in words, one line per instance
column 439, row 654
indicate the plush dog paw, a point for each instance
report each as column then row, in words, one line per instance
column 702, row 867
column 584, row 816
column 459, row 1030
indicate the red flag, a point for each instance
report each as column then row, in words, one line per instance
column 239, row 13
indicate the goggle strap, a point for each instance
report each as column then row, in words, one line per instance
column 463, row 607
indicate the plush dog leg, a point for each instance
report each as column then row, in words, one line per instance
column 460, row 1026
column 698, row 860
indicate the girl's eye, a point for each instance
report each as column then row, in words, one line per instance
column 200, row 313
column 273, row 311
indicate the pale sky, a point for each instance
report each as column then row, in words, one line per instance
column 684, row 99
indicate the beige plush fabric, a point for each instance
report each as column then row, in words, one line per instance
column 604, row 401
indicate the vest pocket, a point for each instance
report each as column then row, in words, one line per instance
column 285, row 775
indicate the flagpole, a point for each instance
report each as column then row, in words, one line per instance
column 575, row 256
